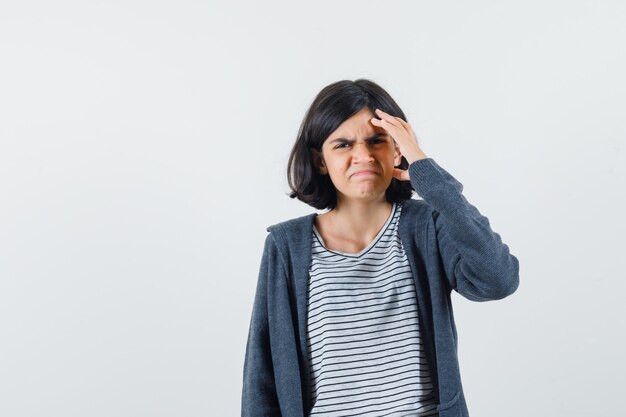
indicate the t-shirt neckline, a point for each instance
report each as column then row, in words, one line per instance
column 368, row 247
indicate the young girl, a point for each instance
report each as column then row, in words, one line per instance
column 352, row 314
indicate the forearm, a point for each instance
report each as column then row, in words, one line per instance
column 478, row 264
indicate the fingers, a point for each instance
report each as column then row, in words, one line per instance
column 394, row 120
column 386, row 119
column 401, row 174
column 394, row 125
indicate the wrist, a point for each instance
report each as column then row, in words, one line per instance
column 415, row 156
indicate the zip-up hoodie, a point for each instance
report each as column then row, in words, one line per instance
column 449, row 245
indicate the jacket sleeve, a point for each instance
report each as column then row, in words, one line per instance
column 477, row 263
column 259, row 397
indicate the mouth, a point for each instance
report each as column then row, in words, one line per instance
column 364, row 173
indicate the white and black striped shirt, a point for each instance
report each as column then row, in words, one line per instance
column 363, row 331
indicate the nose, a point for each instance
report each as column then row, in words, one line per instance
column 362, row 153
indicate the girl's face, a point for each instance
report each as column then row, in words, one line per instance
column 360, row 158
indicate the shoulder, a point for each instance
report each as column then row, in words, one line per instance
column 416, row 218
column 289, row 242
column 412, row 207
column 292, row 226
column 292, row 234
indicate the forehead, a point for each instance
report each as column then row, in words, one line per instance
column 359, row 126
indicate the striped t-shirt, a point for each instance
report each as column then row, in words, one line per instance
column 363, row 331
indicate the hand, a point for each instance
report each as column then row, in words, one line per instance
column 402, row 133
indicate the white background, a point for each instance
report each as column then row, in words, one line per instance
column 143, row 152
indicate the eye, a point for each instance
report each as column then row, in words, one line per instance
column 341, row 145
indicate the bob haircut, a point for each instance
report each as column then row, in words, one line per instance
column 333, row 105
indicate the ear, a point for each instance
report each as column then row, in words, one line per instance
column 318, row 161
column 397, row 157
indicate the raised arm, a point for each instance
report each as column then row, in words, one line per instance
column 477, row 263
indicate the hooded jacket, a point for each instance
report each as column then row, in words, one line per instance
column 449, row 245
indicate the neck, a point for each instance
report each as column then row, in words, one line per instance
column 361, row 220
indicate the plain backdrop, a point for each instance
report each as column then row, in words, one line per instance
column 143, row 152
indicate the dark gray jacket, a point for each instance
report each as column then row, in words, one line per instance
column 450, row 246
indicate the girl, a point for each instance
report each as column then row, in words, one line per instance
column 352, row 314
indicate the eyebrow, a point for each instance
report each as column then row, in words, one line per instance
column 374, row 136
